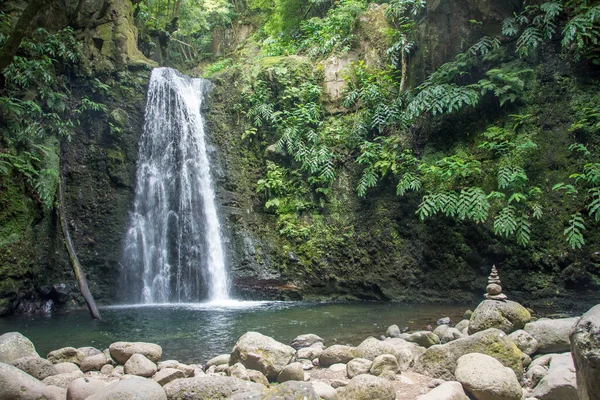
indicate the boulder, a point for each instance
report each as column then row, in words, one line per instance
column 238, row 370
column 306, row 341
column 440, row 361
column 339, row 367
column 139, row 365
column 82, row 388
column 291, row 390
column 560, row 383
column 66, row 367
column 309, row 353
column 446, row 391
column 133, row 388
column 218, row 360
column 291, row 372
column 367, row 387
column 534, row 375
column 358, row 366
column 405, row 352
column 107, row 369
column 486, row 378
column 94, row 362
column 444, row 321
column 19, row 385
column 336, row 354
column 524, row 341
column 324, row 390
column 585, row 347
column 210, row 387
column 543, row 360
column 393, row 331
column 552, row 335
column 257, row 377
column 63, row 380
column 13, row 346
column 121, row 351
column 424, row 338
column 89, row 351
column 261, row 353
column 384, row 363
column 35, row 366
column 462, row 325
column 66, row 354
column 449, row 335
column 167, row 375
column 508, row 316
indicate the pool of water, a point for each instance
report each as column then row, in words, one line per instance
column 197, row 332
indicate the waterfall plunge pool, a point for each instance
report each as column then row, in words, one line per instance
column 196, row 332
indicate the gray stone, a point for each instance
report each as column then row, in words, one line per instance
column 167, row 375
column 82, row 388
column 534, row 375
column 66, row 354
column 93, row 363
column 339, row 367
column 292, row 390
column 292, row 372
column 446, row 391
column 508, row 316
column 66, row 367
column 13, row 346
column 560, row 383
column 107, row 369
column 309, row 353
column 462, row 325
column 585, row 346
column 487, row 379
column 261, row 353
column 552, row 335
column 121, row 351
column 444, row 321
column 19, row 385
column 358, row 366
column 218, row 360
column 89, row 351
column 139, row 365
column 133, row 388
column 367, row 387
column 63, row 380
column 384, row 363
column 450, row 334
column 424, row 338
column 173, row 363
column 440, row 329
column 336, row 354
column 210, row 387
column 257, row 377
column 543, row 360
column 405, row 352
column 393, row 331
column 238, row 370
column 37, row 367
column 188, row 370
column 524, row 341
column 440, row 361
column 324, row 390
column 306, row 341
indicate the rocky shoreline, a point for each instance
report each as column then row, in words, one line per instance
column 497, row 352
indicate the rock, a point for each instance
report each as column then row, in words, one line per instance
column 292, row 390
column 526, row 360
column 450, row 334
column 336, row 354
column 66, row 354
column 309, row 353
column 446, row 391
column 552, row 335
column 257, row 377
column 440, row 329
column 19, row 385
column 218, row 360
column 261, row 353
column 585, row 347
column 444, row 321
column 66, row 367
column 54, row 392
column 534, row 375
column 424, row 338
column 560, row 383
column 13, row 346
column 367, row 387
column 121, row 351
column 508, row 316
column 173, row 363
column 82, row 388
column 358, row 366
column 37, row 367
column 167, row 375
column 440, row 361
column 306, row 341
column 524, row 341
column 188, row 370
column 133, row 388
column 487, row 379
column 222, row 368
column 383, row 363
column 462, row 325
column 89, row 351
column 405, row 352
column 393, row 331
column 338, row 383
column 468, row 314
column 210, row 387
column 107, row 369
column 139, row 365
column 63, row 380
column 324, row 390
column 93, row 363
column 337, row 367
column 543, row 360
column 238, row 370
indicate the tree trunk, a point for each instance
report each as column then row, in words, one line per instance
column 83, row 286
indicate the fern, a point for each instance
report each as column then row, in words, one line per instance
column 523, row 232
column 408, row 182
column 582, row 33
column 594, row 206
column 367, row 180
column 505, row 223
column 573, row 231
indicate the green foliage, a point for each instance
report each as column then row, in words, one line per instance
column 217, row 67
column 506, row 85
column 581, row 35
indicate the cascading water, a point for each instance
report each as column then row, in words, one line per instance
column 173, row 249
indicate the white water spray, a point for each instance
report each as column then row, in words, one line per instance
column 173, row 250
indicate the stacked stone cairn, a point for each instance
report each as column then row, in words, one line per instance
column 493, row 289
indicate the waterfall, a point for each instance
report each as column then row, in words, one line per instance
column 173, row 249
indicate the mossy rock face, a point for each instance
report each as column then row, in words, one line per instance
column 508, row 316
column 440, row 361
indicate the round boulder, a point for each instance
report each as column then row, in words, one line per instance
column 336, row 354
column 218, row 360
column 291, row 390
column 17, row 384
column 585, row 347
column 306, row 341
column 367, row 387
column 261, row 353
column 384, row 363
column 133, row 388
column 552, row 335
column 358, row 366
column 94, row 362
column 35, row 366
column 506, row 315
column 524, row 341
column 393, row 331
column 63, row 380
column 121, row 351
column 139, row 365
column 450, row 334
column 66, row 354
column 167, row 375
column 82, row 388
column 446, row 391
column 291, row 372
column 210, row 387
column 66, row 367
column 424, row 338
column 13, row 346
column 486, row 378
